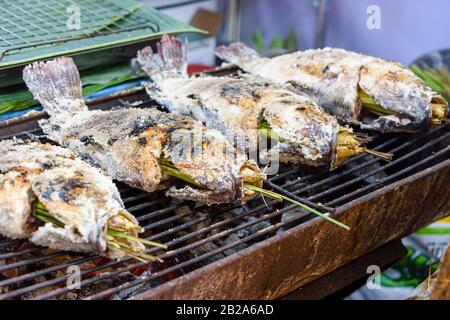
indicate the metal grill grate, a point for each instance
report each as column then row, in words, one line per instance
column 198, row 236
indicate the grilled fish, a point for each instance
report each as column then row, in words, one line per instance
column 358, row 89
column 135, row 145
column 75, row 194
column 241, row 107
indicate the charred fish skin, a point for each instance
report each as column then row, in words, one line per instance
column 334, row 78
column 236, row 107
column 75, row 193
column 128, row 144
column 16, row 195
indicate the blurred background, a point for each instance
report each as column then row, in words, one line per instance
column 402, row 30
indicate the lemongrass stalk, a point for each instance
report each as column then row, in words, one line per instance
column 171, row 171
column 120, row 234
column 274, row 195
column 41, row 213
column 370, row 103
column 428, row 78
column 304, row 206
column 46, row 219
column 266, row 130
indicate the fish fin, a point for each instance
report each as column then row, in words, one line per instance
column 169, row 61
column 56, row 85
column 238, row 54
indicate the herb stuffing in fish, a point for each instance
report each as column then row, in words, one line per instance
column 358, row 89
column 54, row 199
column 246, row 107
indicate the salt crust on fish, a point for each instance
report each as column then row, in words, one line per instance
column 129, row 143
column 73, row 192
column 333, row 77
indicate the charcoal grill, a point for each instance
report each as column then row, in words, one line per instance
column 254, row 251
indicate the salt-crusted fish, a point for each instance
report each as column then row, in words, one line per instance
column 241, row 108
column 358, row 89
column 141, row 147
column 57, row 200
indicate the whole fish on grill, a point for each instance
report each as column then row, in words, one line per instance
column 358, row 89
column 140, row 147
column 55, row 199
column 242, row 108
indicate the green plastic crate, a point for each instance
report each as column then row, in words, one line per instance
column 111, row 31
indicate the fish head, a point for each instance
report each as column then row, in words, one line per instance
column 216, row 169
column 78, row 206
column 301, row 131
column 393, row 98
column 16, row 200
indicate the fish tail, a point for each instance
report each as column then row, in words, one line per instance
column 169, row 62
column 56, row 85
column 238, row 54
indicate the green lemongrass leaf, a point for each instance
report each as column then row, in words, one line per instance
column 370, row 103
column 93, row 80
column 435, row 74
column 140, row 258
column 120, row 234
column 267, row 193
column 168, row 169
column 432, row 81
column 150, row 257
column 40, row 205
column 436, row 79
column 48, row 219
column 426, row 76
column 304, row 206
column 41, row 213
column 266, row 130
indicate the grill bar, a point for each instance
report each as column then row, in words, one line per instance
column 164, row 256
column 390, row 164
column 171, row 269
column 197, row 236
column 439, row 153
column 343, row 173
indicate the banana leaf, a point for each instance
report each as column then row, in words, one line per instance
column 93, row 80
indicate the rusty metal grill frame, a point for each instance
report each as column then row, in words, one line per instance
column 413, row 154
